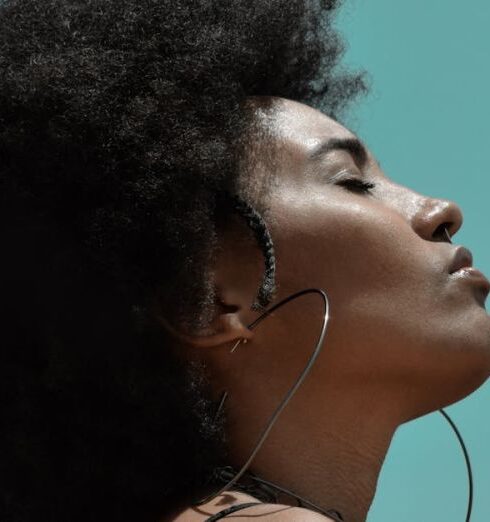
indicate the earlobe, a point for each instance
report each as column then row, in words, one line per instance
column 229, row 328
column 225, row 328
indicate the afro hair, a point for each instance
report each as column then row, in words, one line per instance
column 119, row 129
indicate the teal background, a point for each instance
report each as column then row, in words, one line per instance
column 426, row 120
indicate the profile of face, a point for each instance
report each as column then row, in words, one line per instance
column 404, row 325
column 408, row 332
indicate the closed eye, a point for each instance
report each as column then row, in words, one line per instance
column 356, row 185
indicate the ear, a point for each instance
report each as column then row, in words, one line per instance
column 237, row 273
column 228, row 326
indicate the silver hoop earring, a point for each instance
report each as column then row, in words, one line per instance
column 229, row 472
column 289, row 395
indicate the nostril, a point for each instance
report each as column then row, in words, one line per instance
column 441, row 233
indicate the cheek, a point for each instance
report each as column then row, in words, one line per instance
column 347, row 247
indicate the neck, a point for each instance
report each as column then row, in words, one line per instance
column 333, row 461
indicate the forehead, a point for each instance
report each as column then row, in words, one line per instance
column 296, row 127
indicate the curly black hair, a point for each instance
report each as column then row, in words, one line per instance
column 121, row 132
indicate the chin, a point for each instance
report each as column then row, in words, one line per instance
column 456, row 388
column 465, row 359
column 450, row 380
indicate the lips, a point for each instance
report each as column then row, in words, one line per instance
column 461, row 268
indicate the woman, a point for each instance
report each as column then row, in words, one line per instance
column 165, row 178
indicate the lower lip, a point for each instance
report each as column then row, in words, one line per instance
column 474, row 275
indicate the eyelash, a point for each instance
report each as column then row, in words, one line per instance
column 356, row 185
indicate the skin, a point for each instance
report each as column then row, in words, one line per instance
column 405, row 336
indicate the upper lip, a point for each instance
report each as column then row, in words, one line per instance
column 462, row 258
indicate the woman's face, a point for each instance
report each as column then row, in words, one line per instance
column 399, row 319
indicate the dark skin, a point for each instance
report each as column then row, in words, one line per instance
column 405, row 336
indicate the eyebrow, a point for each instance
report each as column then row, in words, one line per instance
column 352, row 145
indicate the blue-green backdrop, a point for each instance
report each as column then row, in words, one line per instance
column 426, row 120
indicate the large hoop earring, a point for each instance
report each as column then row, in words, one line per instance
column 289, row 395
column 331, row 513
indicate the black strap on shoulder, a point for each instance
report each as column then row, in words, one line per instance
column 335, row 515
column 332, row 513
column 231, row 509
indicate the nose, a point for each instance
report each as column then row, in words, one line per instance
column 434, row 217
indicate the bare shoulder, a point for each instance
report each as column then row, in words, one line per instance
column 258, row 512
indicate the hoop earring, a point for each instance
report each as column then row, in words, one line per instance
column 304, row 502
column 289, row 395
